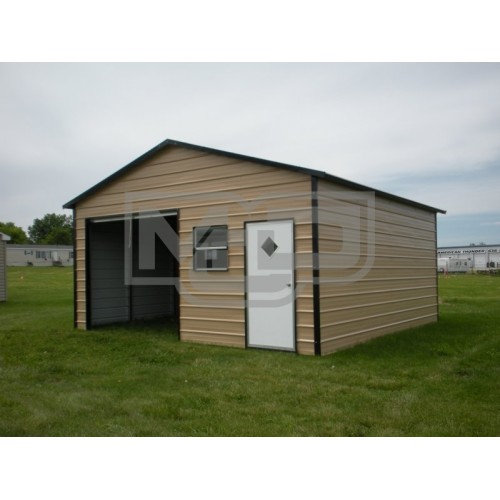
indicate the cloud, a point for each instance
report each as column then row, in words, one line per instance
column 471, row 192
column 466, row 229
column 496, row 223
column 425, row 131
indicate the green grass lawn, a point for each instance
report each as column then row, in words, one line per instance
column 438, row 380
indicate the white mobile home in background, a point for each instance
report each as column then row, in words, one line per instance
column 39, row 255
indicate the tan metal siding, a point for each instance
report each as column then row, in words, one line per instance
column 357, row 336
column 377, row 266
column 209, row 189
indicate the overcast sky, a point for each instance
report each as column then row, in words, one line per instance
column 428, row 132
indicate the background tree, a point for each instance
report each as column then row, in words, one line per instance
column 16, row 233
column 52, row 229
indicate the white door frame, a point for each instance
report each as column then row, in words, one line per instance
column 291, row 341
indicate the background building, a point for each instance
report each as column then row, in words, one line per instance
column 3, row 272
column 478, row 257
column 39, row 255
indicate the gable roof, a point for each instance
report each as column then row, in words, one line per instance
column 308, row 171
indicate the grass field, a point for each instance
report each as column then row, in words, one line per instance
column 438, row 380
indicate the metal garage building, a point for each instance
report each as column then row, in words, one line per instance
column 252, row 253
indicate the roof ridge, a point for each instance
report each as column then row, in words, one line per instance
column 308, row 171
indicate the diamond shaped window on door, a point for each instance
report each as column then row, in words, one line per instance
column 269, row 246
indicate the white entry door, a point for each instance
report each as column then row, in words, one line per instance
column 270, row 285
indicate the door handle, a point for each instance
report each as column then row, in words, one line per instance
column 288, row 285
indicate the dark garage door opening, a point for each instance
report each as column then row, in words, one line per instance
column 118, row 289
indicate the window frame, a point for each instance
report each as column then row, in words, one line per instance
column 197, row 249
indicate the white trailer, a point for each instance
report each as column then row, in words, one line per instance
column 39, row 255
column 453, row 264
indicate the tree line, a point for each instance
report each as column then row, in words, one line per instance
column 51, row 229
